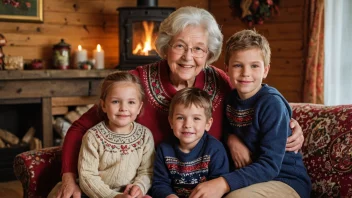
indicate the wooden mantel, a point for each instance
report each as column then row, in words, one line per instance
column 39, row 86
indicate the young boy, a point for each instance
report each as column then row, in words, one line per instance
column 258, row 114
column 193, row 156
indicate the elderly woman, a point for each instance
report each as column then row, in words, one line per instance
column 189, row 41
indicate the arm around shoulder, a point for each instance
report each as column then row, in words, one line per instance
column 73, row 139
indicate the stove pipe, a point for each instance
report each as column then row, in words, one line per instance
column 147, row 3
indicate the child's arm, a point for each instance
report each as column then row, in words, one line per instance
column 162, row 184
column 240, row 154
column 219, row 163
column 273, row 119
column 89, row 179
column 145, row 170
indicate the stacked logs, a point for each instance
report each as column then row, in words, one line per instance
column 8, row 139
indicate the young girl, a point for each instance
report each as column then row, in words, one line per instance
column 116, row 156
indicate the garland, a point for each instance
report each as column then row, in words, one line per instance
column 255, row 11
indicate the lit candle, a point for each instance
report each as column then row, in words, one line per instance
column 98, row 55
column 81, row 56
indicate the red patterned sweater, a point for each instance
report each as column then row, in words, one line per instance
column 159, row 91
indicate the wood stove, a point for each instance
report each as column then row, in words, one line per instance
column 138, row 28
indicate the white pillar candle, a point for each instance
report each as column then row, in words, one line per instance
column 98, row 55
column 80, row 56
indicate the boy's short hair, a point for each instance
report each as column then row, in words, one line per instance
column 192, row 96
column 247, row 39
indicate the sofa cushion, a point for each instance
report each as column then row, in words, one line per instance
column 327, row 149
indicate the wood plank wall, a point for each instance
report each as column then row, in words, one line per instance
column 92, row 22
column 286, row 34
column 84, row 22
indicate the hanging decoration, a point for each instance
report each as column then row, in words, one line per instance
column 254, row 11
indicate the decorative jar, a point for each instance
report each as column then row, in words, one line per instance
column 61, row 55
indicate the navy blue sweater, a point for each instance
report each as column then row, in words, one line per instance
column 262, row 123
column 179, row 173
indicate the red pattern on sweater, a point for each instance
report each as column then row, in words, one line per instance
column 159, row 91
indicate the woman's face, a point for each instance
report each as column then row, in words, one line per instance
column 185, row 67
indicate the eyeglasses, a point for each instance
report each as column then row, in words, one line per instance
column 180, row 49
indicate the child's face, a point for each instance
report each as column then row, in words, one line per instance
column 246, row 70
column 188, row 125
column 122, row 105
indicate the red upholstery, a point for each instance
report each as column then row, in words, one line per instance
column 327, row 154
column 327, row 149
column 38, row 171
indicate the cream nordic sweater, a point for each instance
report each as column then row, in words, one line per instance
column 109, row 161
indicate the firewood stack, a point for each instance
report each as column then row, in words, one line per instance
column 8, row 139
column 62, row 123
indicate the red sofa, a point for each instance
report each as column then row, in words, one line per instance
column 327, row 154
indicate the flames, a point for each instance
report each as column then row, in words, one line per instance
column 145, row 47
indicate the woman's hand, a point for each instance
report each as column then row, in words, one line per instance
column 295, row 141
column 214, row 188
column 69, row 187
column 239, row 152
column 133, row 191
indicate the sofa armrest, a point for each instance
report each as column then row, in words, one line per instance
column 38, row 171
column 327, row 149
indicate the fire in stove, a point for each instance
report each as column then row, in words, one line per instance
column 138, row 29
column 144, row 38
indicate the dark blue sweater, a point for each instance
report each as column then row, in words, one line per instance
column 179, row 173
column 262, row 123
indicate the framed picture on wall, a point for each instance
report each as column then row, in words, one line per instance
column 21, row 10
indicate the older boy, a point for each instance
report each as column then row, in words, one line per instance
column 193, row 156
column 258, row 114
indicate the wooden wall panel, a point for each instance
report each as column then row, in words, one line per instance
column 84, row 22
column 92, row 22
column 285, row 34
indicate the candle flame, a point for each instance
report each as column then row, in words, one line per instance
column 98, row 48
column 79, row 47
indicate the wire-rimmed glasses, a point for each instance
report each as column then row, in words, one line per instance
column 197, row 51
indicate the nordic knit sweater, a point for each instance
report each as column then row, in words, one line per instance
column 261, row 122
column 159, row 92
column 109, row 161
column 179, row 173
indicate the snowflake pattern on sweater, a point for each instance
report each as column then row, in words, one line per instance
column 187, row 175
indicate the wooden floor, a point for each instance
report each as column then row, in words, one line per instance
column 11, row 189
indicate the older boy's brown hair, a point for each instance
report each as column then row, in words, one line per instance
column 192, row 96
column 247, row 39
